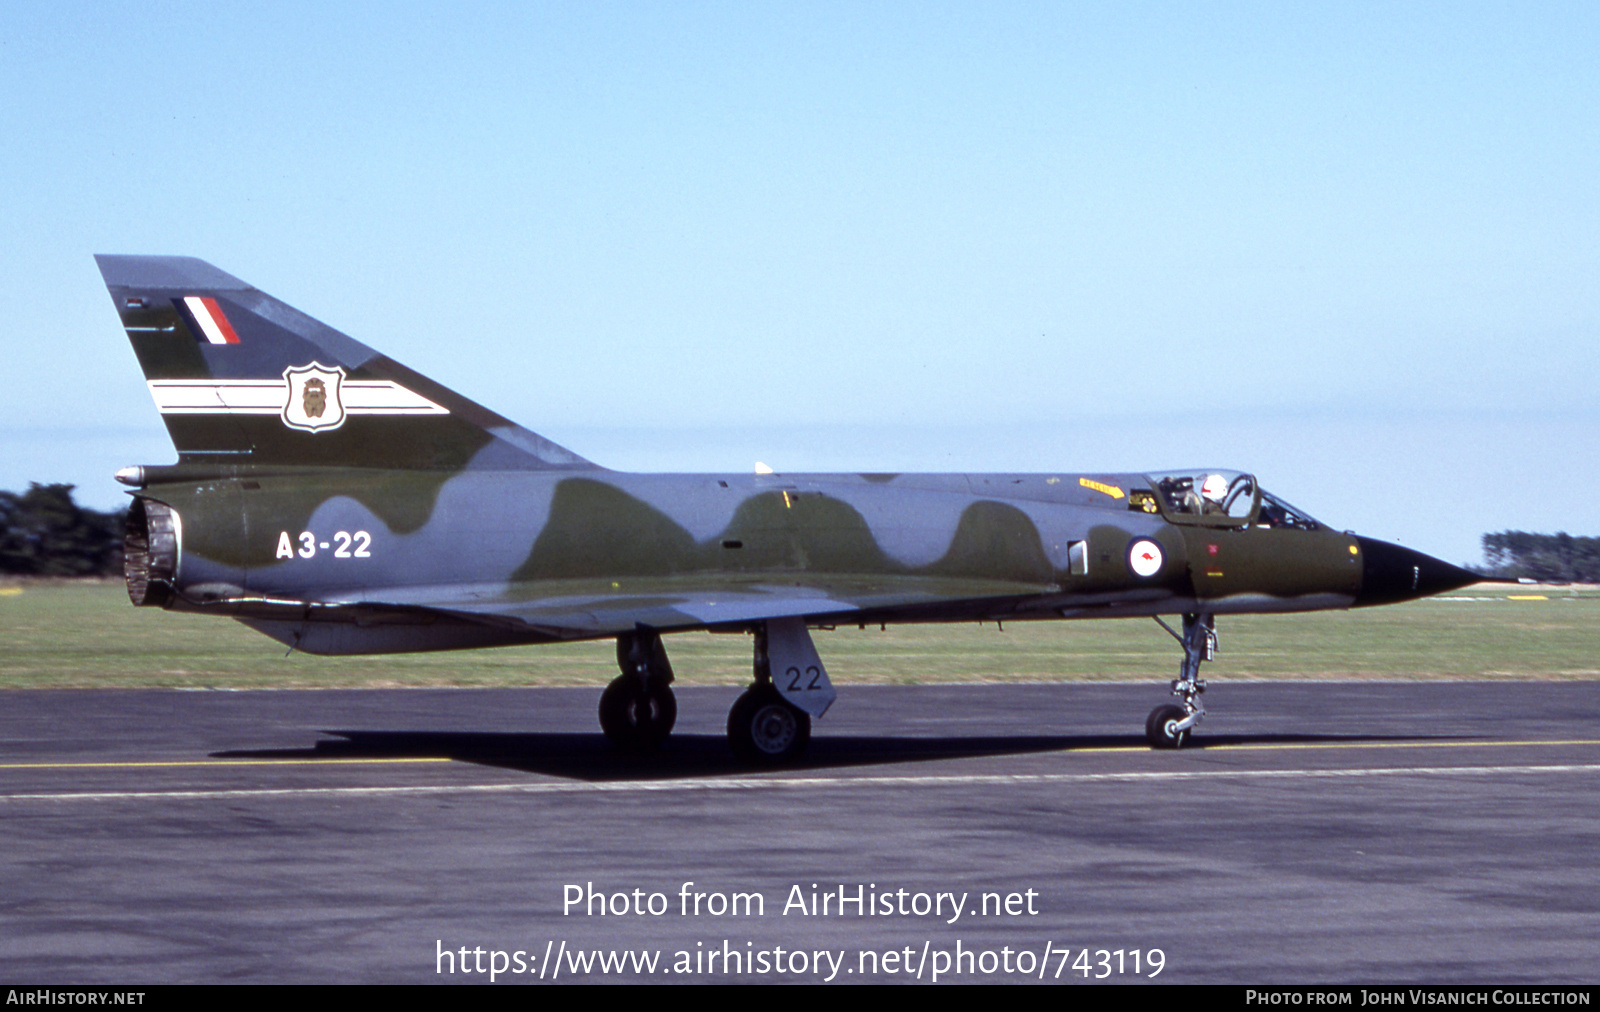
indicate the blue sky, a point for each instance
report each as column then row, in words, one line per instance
column 1352, row 248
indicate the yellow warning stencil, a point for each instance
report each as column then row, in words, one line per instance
column 1100, row 486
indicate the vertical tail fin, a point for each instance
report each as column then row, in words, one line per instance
column 240, row 378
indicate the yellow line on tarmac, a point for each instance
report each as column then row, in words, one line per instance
column 221, row 762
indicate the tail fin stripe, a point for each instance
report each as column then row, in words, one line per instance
column 212, row 320
column 210, row 397
column 267, row 397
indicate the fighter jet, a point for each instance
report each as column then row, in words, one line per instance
column 340, row 503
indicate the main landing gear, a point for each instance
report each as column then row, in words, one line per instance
column 638, row 709
column 1168, row 724
column 764, row 729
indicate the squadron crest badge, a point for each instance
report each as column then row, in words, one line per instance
column 313, row 404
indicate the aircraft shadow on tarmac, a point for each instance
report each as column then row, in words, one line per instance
column 592, row 757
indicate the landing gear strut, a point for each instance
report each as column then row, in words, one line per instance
column 1168, row 724
column 638, row 709
column 764, row 729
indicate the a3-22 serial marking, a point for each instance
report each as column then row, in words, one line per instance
column 344, row 544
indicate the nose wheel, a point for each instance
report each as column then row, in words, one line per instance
column 1161, row 728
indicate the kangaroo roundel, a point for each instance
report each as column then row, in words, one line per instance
column 1144, row 557
column 313, row 397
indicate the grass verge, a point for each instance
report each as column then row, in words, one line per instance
column 85, row 634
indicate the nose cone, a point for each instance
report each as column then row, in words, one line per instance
column 1390, row 573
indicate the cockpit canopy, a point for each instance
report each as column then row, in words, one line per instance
column 1216, row 498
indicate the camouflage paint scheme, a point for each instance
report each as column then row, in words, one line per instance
column 476, row 519
column 429, row 522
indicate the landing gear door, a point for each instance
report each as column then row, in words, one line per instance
column 797, row 671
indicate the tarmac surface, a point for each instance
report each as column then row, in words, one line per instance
column 1317, row 832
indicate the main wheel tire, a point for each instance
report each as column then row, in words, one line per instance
column 765, row 730
column 1158, row 727
column 635, row 717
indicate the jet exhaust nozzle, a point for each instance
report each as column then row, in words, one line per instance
column 150, row 552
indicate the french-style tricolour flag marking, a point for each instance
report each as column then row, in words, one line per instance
column 213, row 323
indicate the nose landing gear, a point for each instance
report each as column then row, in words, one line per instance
column 1168, row 724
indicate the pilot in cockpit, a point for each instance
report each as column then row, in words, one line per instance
column 1212, row 492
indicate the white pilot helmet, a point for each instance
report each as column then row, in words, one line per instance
column 1214, row 487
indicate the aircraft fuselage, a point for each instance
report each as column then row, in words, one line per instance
column 589, row 554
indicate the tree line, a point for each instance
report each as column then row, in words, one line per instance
column 44, row 533
column 1547, row 558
